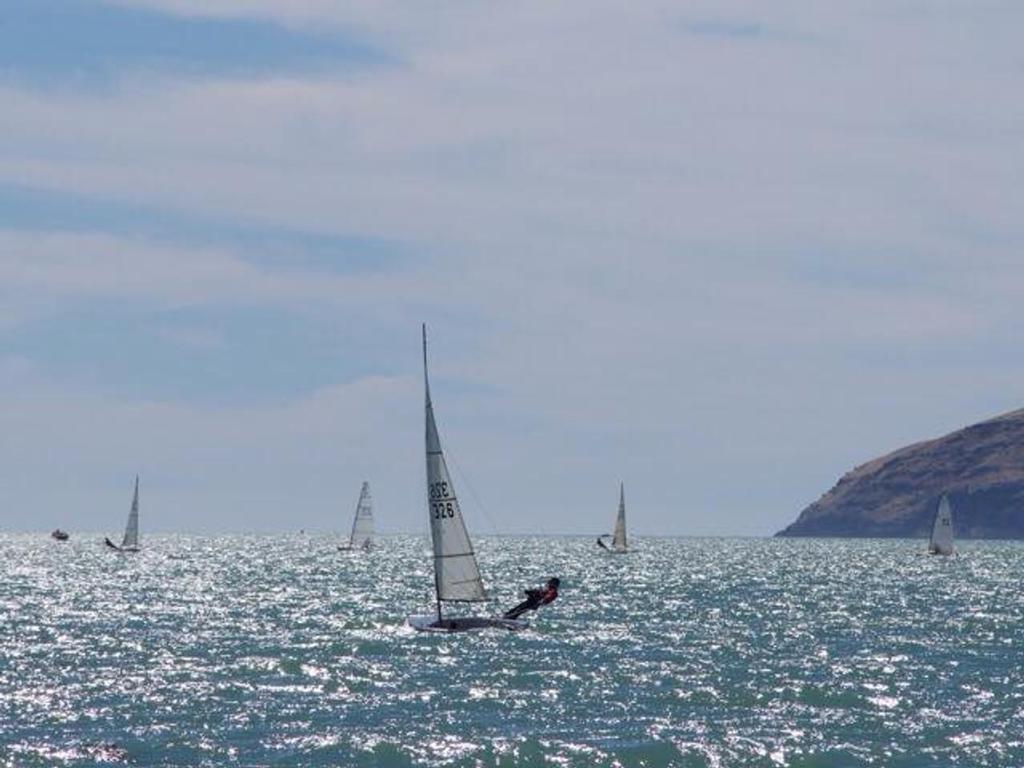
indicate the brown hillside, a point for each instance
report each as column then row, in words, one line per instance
column 981, row 467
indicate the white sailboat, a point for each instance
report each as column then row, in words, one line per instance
column 362, row 523
column 941, row 542
column 456, row 575
column 130, row 540
column 618, row 538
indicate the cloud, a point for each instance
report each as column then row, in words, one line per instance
column 215, row 469
column 652, row 243
column 204, row 339
column 60, row 42
column 86, row 265
column 716, row 28
column 484, row 136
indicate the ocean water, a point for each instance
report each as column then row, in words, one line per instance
column 259, row 650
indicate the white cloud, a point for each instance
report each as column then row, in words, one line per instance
column 519, row 119
column 85, row 265
column 194, row 337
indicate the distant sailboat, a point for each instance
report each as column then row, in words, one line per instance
column 618, row 538
column 456, row 575
column 362, row 523
column 130, row 541
column 941, row 542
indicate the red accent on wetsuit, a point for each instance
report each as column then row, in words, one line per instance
column 548, row 595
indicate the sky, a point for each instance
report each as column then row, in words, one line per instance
column 720, row 251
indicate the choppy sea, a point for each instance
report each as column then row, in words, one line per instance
column 280, row 650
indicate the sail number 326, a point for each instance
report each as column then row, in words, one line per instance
column 440, row 509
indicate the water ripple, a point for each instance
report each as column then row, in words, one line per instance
column 693, row 652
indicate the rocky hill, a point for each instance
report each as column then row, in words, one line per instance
column 981, row 467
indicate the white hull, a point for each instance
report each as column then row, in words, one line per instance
column 610, row 548
column 116, row 548
column 465, row 623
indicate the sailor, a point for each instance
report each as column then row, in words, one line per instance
column 535, row 598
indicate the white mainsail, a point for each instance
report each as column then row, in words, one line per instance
column 942, row 529
column 362, row 524
column 619, row 536
column 131, row 531
column 456, row 575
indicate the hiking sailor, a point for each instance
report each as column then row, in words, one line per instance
column 535, row 598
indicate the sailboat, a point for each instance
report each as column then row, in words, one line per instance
column 941, row 542
column 362, row 523
column 456, row 575
column 130, row 541
column 618, row 539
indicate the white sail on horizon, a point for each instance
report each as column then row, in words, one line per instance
column 131, row 530
column 456, row 574
column 941, row 542
column 362, row 523
column 619, row 535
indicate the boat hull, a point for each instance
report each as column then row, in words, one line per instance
column 465, row 623
column 116, row 548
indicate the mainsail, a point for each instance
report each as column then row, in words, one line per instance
column 942, row 529
column 619, row 536
column 131, row 531
column 362, row 524
column 456, row 576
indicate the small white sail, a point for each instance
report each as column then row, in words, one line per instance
column 942, row 529
column 362, row 524
column 131, row 531
column 619, row 536
column 456, row 574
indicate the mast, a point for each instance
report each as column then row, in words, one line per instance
column 429, row 409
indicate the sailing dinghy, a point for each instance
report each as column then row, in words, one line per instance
column 941, row 542
column 130, row 541
column 362, row 524
column 456, row 575
column 618, row 539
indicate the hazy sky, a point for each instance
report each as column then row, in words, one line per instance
column 722, row 251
